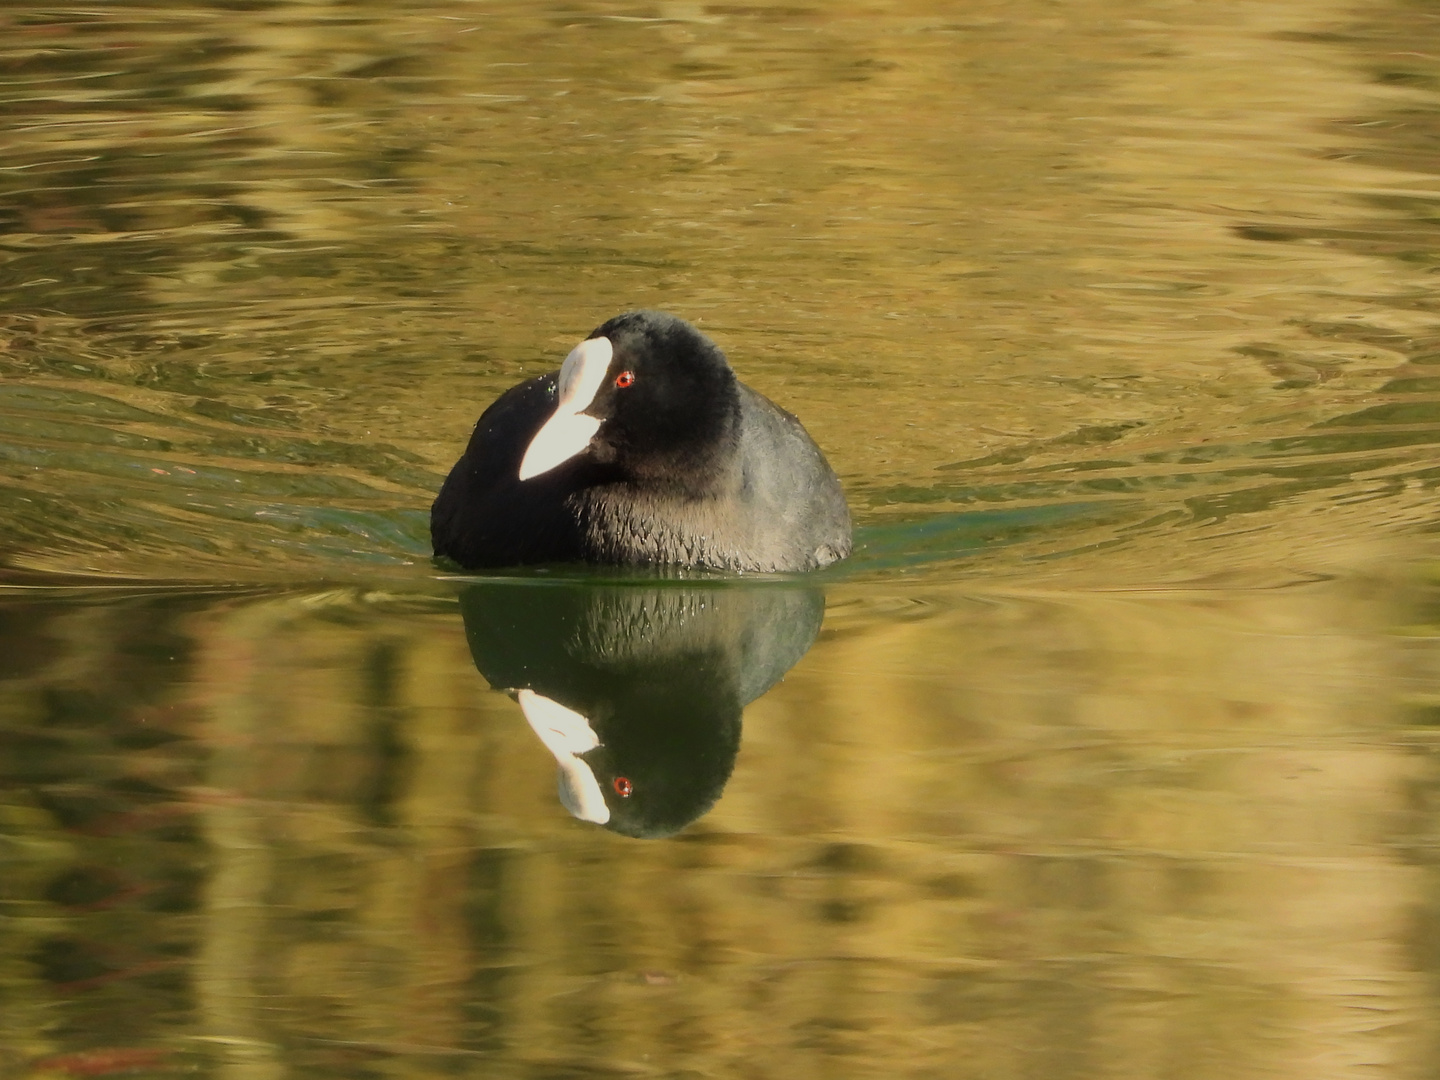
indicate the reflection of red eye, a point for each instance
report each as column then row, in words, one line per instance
column 623, row 787
column 624, row 379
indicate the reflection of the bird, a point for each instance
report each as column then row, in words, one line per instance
column 637, row 688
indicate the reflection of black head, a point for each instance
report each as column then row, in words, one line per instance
column 669, row 737
column 660, row 671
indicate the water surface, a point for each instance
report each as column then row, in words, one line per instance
column 1113, row 755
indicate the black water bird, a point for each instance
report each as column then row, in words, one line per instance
column 637, row 690
column 643, row 449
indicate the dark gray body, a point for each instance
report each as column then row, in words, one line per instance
column 778, row 506
column 774, row 504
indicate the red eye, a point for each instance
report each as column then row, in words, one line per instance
column 623, row 787
column 624, row 379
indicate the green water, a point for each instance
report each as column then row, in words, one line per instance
column 1114, row 753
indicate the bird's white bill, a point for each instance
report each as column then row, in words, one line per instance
column 569, row 430
column 563, row 436
column 567, row 735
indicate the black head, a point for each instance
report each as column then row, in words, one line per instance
column 647, row 394
column 668, row 403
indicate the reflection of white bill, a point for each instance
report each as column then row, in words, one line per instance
column 567, row 735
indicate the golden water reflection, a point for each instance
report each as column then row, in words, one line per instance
column 1078, row 298
column 1178, row 834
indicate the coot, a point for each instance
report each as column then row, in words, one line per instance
column 643, row 449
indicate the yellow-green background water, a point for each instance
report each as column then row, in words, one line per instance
column 1115, row 756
